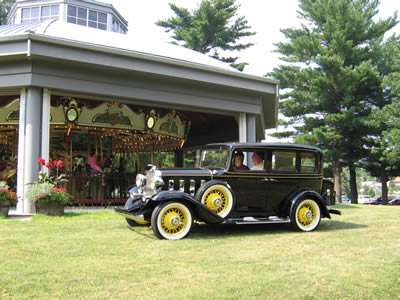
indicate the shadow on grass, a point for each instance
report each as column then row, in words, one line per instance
column 137, row 230
column 74, row 214
column 333, row 225
column 204, row 231
column 346, row 206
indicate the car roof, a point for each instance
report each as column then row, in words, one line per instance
column 233, row 146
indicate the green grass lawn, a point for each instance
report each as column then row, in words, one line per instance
column 97, row 255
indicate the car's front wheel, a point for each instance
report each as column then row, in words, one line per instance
column 218, row 197
column 171, row 220
column 306, row 215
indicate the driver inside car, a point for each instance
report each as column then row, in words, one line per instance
column 239, row 157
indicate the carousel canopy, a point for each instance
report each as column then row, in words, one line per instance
column 114, row 40
column 77, row 61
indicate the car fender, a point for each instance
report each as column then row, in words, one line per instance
column 328, row 192
column 134, row 203
column 298, row 195
column 165, row 196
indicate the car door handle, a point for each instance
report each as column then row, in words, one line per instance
column 269, row 180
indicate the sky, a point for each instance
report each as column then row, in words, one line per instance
column 266, row 18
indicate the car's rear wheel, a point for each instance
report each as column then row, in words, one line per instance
column 306, row 215
column 171, row 220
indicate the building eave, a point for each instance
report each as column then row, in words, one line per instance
column 255, row 83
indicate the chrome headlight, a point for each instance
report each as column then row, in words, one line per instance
column 156, row 183
column 140, row 180
column 154, row 180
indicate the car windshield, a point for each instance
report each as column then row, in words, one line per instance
column 214, row 158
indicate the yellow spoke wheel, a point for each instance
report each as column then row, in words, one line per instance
column 218, row 198
column 306, row 215
column 171, row 220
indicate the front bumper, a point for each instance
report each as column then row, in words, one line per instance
column 137, row 218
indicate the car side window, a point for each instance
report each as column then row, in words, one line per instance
column 283, row 162
column 239, row 161
column 248, row 161
column 308, row 162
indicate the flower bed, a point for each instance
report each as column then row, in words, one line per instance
column 7, row 198
column 48, row 198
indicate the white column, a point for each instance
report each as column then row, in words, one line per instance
column 63, row 12
column 45, row 143
column 251, row 128
column 242, row 127
column 109, row 22
column 21, row 151
column 32, row 140
column 247, row 127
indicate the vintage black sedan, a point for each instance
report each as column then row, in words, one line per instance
column 240, row 183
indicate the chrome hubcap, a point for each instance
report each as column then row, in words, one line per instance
column 217, row 202
column 175, row 221
column 309, row 215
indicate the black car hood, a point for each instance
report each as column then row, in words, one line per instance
column 186, row 172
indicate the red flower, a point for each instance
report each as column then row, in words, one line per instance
column 60, row 162
column 61, row 166
column 41, row 161
column 62, row 189
column 48, row 165
column 55, row 163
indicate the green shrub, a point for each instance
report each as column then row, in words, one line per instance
column 47, row 193
column 37, row 190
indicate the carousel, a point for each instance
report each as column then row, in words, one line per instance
column 103, row 145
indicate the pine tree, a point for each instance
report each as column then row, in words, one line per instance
column 331, row 78
column 5, row 6
column 211, row 28
column 384, row 121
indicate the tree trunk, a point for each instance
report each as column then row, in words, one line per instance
column 353, row 184
column 384, row 180
column 338, row 187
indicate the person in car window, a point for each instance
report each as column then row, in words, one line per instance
column 258, row 161
column 239, row 157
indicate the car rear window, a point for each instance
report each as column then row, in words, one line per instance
column 308, row 162
column 283, row 162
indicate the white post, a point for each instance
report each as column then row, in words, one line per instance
column 32, row 140
column 45, row 145
column 251, row 128
column 62, row 13
column 242, row 127
column 21, row 151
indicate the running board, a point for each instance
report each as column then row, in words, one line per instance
column 251, row 220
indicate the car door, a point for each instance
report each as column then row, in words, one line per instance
column 249, row 185
column 283, row 177
column 291, row 170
